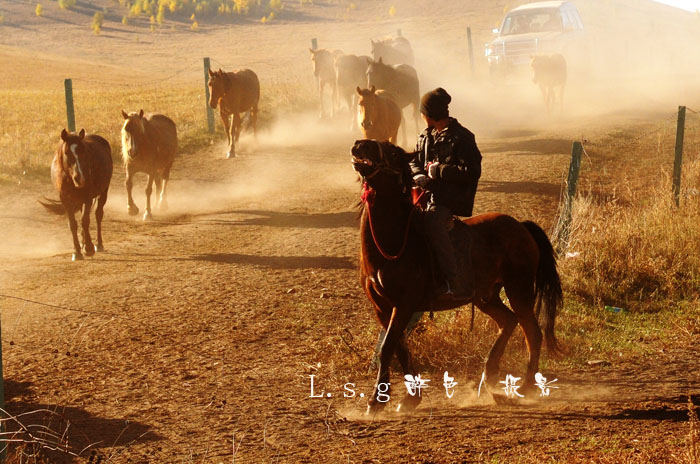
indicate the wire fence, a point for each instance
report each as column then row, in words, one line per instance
column 561, row 228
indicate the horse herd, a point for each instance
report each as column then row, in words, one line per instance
column 390, row 79
column 511, row 255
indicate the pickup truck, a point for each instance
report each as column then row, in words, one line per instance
column 537, row 28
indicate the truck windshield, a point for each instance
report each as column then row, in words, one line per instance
column 522, row 22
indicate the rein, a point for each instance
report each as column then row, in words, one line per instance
column 368, row 200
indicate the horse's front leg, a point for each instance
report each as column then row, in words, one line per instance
column 321, row 85
column 409, row 402
column 88, row 246
column 163, row 201
column 149, row 189
column 226, row 121
column 394, row 331
column 99, row 214
column 77, row 254
column 235, row 131
column 129, row 183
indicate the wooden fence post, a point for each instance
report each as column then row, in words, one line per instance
column 210, row 111
column 562, row 238
column 314, row 44
column 678, row 161
column 471, row 50
column 70, row 111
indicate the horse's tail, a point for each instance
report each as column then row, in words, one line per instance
column 547, row 285
column 53, row 206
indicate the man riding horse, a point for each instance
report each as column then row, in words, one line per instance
column 447, row 166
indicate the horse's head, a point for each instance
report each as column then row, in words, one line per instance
column 219, row 83
column 382, row 165
column 132, row 130
column 321, row 60
column 367, row 104
column 376, row 72
column 72, row 152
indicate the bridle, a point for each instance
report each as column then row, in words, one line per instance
column 368, row 199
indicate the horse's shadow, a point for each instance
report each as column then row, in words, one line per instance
column 535, row 146
column 86, row 432
column 540, row 188
column 283, row 219
column 277, row 262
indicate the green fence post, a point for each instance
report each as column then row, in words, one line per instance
column 70, row 111
column 471, row 50
column 210, row 111
column 314, row 44
column 678, row 162
column 562, row 238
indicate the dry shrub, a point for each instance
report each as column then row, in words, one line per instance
column 640, row 253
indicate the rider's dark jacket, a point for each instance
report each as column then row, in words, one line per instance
column 457, row 177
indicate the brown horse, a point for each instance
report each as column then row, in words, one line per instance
column 399, row 80
column 379, row 115
column 235, row 92
column 549, row 72
column 395, row 50
column 395, row 269
column 350, row 72
column 149, row 144
column 324, row 71
column 81, row 171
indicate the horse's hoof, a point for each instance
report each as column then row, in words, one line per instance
column 163, row 206
column 133, row 210
column 230, row 155
column 147, row 216
column 77, row 257
column 100, row 248
column 408, row 404
column 89, row 250
column 374, row 408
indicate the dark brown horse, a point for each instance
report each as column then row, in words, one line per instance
column 81, row 171
column 395, row 269
column 395, row 50
column 379, row 115
column 149, row 144
column 234, row 93
column 402, row 82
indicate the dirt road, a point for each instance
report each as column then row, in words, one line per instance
column 193, row 337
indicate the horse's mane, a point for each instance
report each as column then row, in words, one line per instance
column 406, row 175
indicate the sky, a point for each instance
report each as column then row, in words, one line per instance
column 690, row 5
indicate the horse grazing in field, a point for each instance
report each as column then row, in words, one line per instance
column 549, row 72
column 324, row 71
column 395, row 50
column 396, row 269
column 235, row 92
column 350, row 72
column 379, row 115
column 81, row 170
column 399, row 80
column 149, row 144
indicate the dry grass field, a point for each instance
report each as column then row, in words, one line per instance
column 192, row 339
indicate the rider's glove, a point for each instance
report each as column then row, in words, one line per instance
column 421, row 180
column 433, row 170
